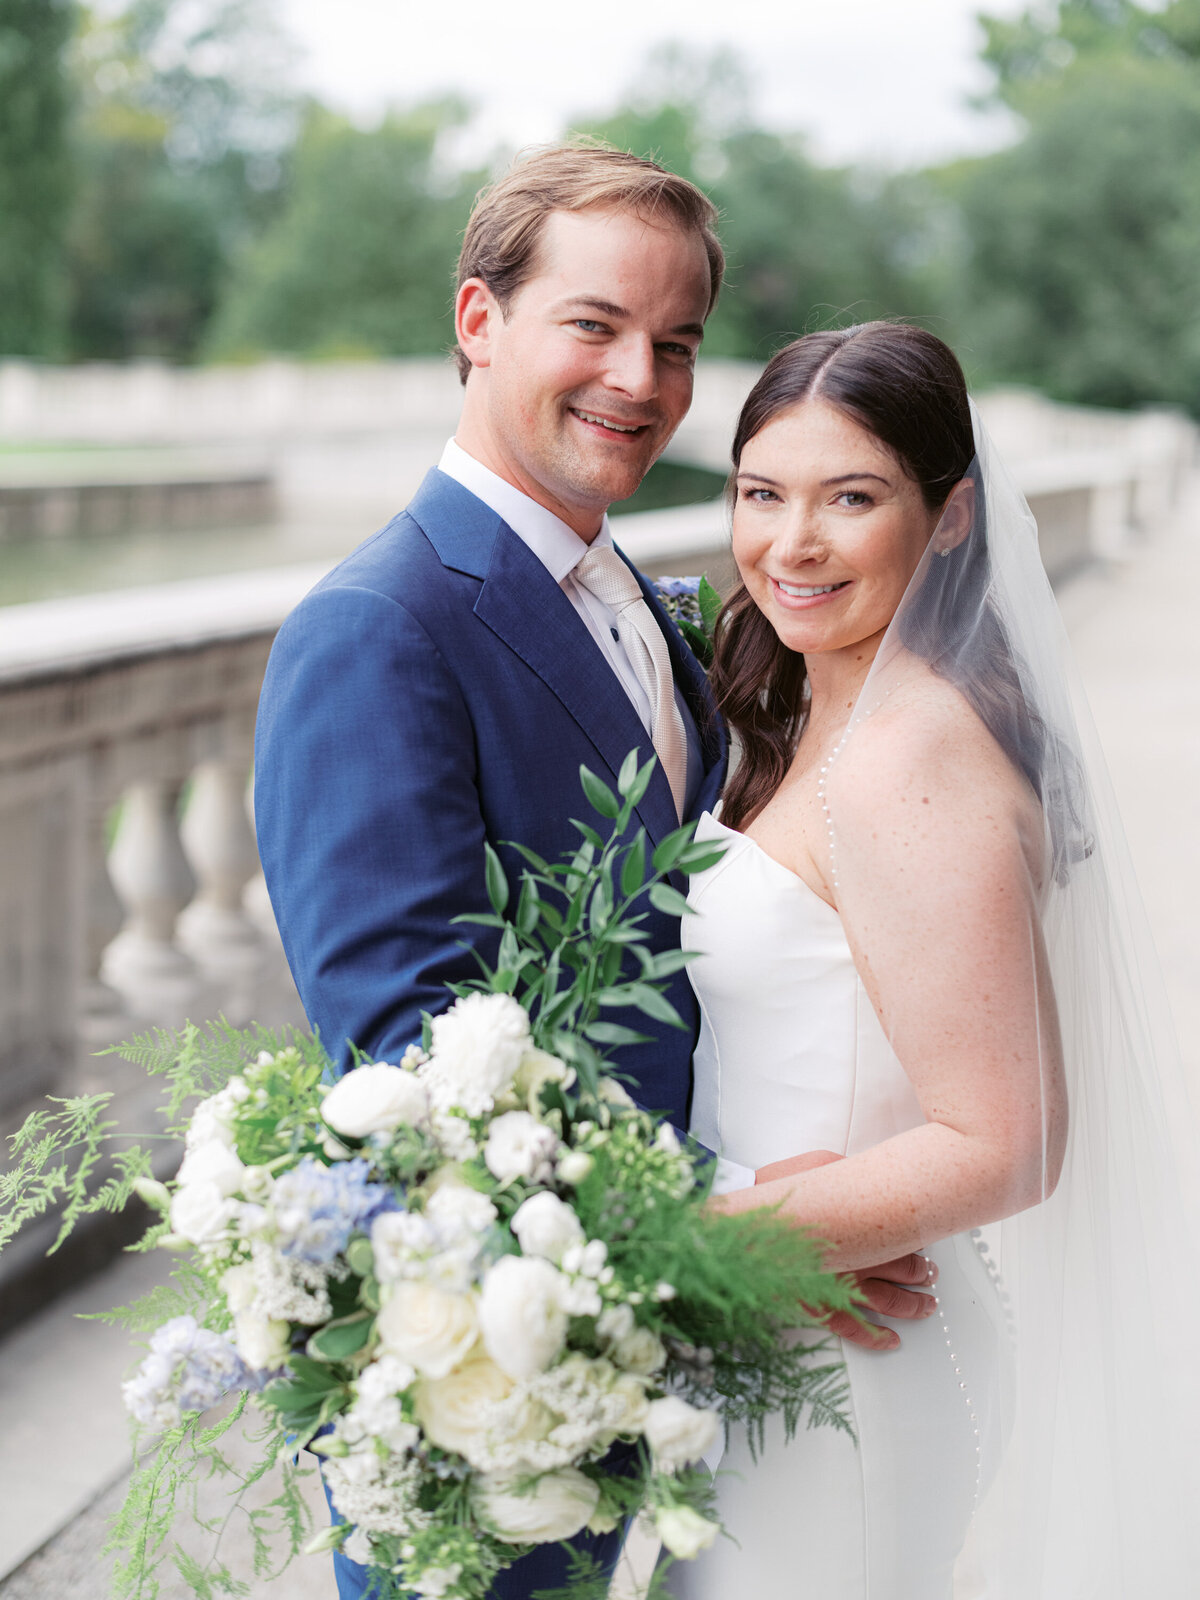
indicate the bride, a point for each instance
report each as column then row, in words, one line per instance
column 920, row 1015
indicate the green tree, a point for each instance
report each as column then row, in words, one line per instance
column 183, row 130
column 1039, row 46
column 807, row 246
column 35, row 173
column 1082, row 241
column 360, row 261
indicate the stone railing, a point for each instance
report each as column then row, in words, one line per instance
column 130, row 891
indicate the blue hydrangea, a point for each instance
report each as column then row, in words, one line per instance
column 670, row 588
column 317, row 1208
column 188, row 1368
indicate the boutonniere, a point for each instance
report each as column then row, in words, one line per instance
column 692, row 605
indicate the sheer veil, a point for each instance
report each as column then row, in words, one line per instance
column 1094, row 1490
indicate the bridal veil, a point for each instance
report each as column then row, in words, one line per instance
column 1099, row 1480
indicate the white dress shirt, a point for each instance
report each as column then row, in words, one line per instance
column 559, row 549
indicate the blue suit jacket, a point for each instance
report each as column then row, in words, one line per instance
column 438, row 689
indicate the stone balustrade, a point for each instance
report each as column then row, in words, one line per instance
column 130, row 891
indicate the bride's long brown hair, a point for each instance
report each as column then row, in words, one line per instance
column 904, row 386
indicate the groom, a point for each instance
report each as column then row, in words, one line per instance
column 443, row 685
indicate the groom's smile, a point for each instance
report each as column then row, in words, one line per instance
column 577, row 387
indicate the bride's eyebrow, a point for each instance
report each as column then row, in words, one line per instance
column 758, row 478
column 851, row 477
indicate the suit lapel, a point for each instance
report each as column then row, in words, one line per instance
column 522, row 605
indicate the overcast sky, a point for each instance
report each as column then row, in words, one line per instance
column 874, row 80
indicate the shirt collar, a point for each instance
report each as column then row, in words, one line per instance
column 558, row 547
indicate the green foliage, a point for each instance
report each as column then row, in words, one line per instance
column 1039, row 46
column 1082, row 240
column 577, row 926
column 360, row 261
column 183, row 121
column 35, row 174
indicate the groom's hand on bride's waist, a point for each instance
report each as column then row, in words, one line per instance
column 892, row 1289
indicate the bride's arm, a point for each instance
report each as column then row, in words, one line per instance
column 938, row 901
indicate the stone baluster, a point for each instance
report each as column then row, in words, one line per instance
column 214, row 928
column 151, row 875
column 102, row 1017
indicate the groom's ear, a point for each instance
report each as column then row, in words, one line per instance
column 477, row 315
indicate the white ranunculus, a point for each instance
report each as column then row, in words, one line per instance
column 546, row 1225
column 677, row 1432
column 213, row 1162
column 456, row 1208
column 615, row 1093
column 239, row 1288
column 519, row 1146
column 427, row 1327
column 436, row 1582
column 451, row 1409
column 477, row 1048
column 357, row 1547
column 261, row 1342
column 520, row 1315
column 375, row 1099
column 557, row 1506
column 200, row 1213
column 639, row 1351
column 633, row 1394
column 539, row 1067
column 685, row 1532
column 574, row 1166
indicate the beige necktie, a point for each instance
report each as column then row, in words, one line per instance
column 610, row 580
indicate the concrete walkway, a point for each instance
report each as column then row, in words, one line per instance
column 62, row 1443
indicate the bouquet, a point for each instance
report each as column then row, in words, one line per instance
column 480, row 1283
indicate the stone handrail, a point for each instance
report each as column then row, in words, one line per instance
column 130, row 890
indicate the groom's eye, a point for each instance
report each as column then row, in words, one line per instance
column 587, row 325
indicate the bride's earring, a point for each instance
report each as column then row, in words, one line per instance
column 945, row 551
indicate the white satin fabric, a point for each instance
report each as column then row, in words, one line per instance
column 792, row 1057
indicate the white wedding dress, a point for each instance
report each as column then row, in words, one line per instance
column 791, row 1057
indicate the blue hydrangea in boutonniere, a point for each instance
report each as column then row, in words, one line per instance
column 692, row 605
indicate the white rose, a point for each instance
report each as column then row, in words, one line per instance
column 428, row 1328
column 200, row 1212
column 667, row 1139
column 546, row 1225
column 375, row 1099
column 450, row 1409
column 539, row 1067
column 684, row 1532
column 519, row 1146
column 558, row 1506
column 213, row 1162
column 521, row 1316
column 574, row 1166
column 677, row 1432
column 261, row 1342
column 477, row 1047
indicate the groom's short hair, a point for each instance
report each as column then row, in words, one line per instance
column 501, row 241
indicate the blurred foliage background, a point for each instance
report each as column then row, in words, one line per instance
column 165, row 192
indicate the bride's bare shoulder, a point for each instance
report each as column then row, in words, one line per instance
column 925, row 755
